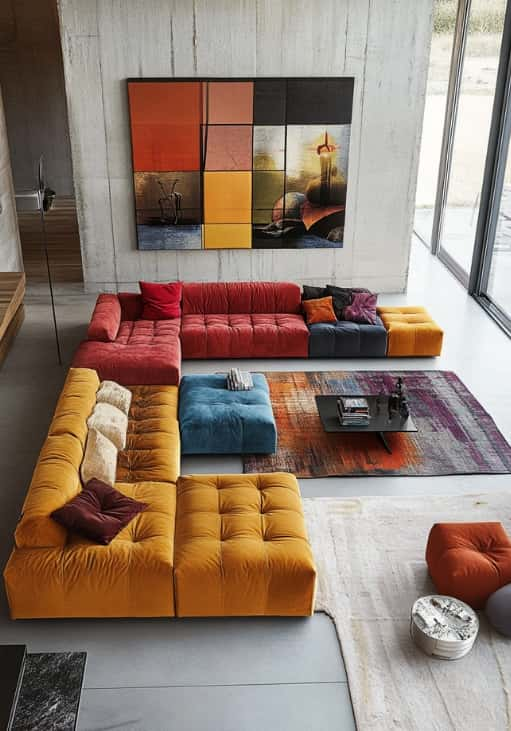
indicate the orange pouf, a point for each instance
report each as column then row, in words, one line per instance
column 469, row 561
column 411, row 331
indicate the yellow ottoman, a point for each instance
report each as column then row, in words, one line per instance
column 411, row 331
column 241, row 547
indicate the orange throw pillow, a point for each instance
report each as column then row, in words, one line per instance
column 320, row 310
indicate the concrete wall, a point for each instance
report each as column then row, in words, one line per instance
column 384, row 44
column 32, row 79
column 10, row 249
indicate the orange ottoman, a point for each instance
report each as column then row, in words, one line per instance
column 241, row 547
column 469, row 561
column 411, row 331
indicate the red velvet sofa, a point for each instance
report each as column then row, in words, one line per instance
column 243, row 320
column 218, row 320
column 122, row 347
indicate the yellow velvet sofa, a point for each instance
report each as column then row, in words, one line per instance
column 51, row 573
column 238, row 545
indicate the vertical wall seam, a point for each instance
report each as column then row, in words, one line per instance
column 172, row 52
column 194, row 36
column 360, row 145
column 114, row 255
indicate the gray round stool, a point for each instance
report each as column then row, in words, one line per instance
column 498, row 610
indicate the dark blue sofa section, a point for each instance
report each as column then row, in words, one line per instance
column 343, row 339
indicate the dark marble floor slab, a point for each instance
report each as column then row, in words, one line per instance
column 50, row 692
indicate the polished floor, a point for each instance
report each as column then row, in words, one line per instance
column 224, row 675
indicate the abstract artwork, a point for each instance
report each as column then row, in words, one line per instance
column 240, row 164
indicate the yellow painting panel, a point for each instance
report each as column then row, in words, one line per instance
column 227, row 236
column 228, row 197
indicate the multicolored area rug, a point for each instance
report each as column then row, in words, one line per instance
column 455, row 434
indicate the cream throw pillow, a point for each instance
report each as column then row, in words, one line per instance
column 111, row 393
column 100, row 459
column 111, row 422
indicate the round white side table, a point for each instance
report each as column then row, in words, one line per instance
column 443, row 627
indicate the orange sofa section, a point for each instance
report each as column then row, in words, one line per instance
column 411, row 332
column 469, row 560
column 241, row 547
column 51, row 573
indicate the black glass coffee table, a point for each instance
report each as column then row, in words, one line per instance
column 380, row 423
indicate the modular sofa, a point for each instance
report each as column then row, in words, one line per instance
column 237, row 320
column 223, row 545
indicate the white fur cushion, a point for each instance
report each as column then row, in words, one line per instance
column 111, row 422
column 100, row 459
column 111, row 393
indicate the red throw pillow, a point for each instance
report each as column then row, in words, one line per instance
column 161, row 301
column 319, row 310
column 99, row 512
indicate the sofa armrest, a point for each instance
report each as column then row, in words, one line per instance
column 106, row 318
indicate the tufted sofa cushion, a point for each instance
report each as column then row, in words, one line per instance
column 343, row 339
column 131, row 577
column 244, row 336
column 241, row 547
column 152, row 443
column 144, row 352
column 214, row 420
column 469, row 560
column 411, row 331
column 201, row 298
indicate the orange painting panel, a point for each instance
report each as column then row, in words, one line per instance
column 230, row 102
column 165, row 125
column 228, row 197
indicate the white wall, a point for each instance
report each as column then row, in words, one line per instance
column 10, row 248
column 384, row 44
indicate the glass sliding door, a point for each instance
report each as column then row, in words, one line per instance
column 469, row 142
column 498, row 284
column 444, row 23
column 495, row 264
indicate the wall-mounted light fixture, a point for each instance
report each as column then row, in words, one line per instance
column 41, row 199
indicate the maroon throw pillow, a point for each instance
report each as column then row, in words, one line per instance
column 362, row 308
column 161, row 301
column 99, row 512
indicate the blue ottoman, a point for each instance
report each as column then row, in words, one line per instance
column 214, row 420
column 343, row 339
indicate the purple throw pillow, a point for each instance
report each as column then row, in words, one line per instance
column 99, row 512
column 362, row 308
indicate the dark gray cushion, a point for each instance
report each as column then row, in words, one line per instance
column 343, row 339
column 341, row 298
column 498, row 610
column 313, row 293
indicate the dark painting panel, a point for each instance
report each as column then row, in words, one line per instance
column 327, row 102
column 270, row 101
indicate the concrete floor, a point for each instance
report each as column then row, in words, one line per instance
column 239, row 674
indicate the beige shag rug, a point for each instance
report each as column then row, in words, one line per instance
column 370, row 558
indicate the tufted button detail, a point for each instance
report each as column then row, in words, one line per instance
column 226, row 526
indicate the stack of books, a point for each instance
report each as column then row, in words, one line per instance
column 353, row 411
column 239, row 380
